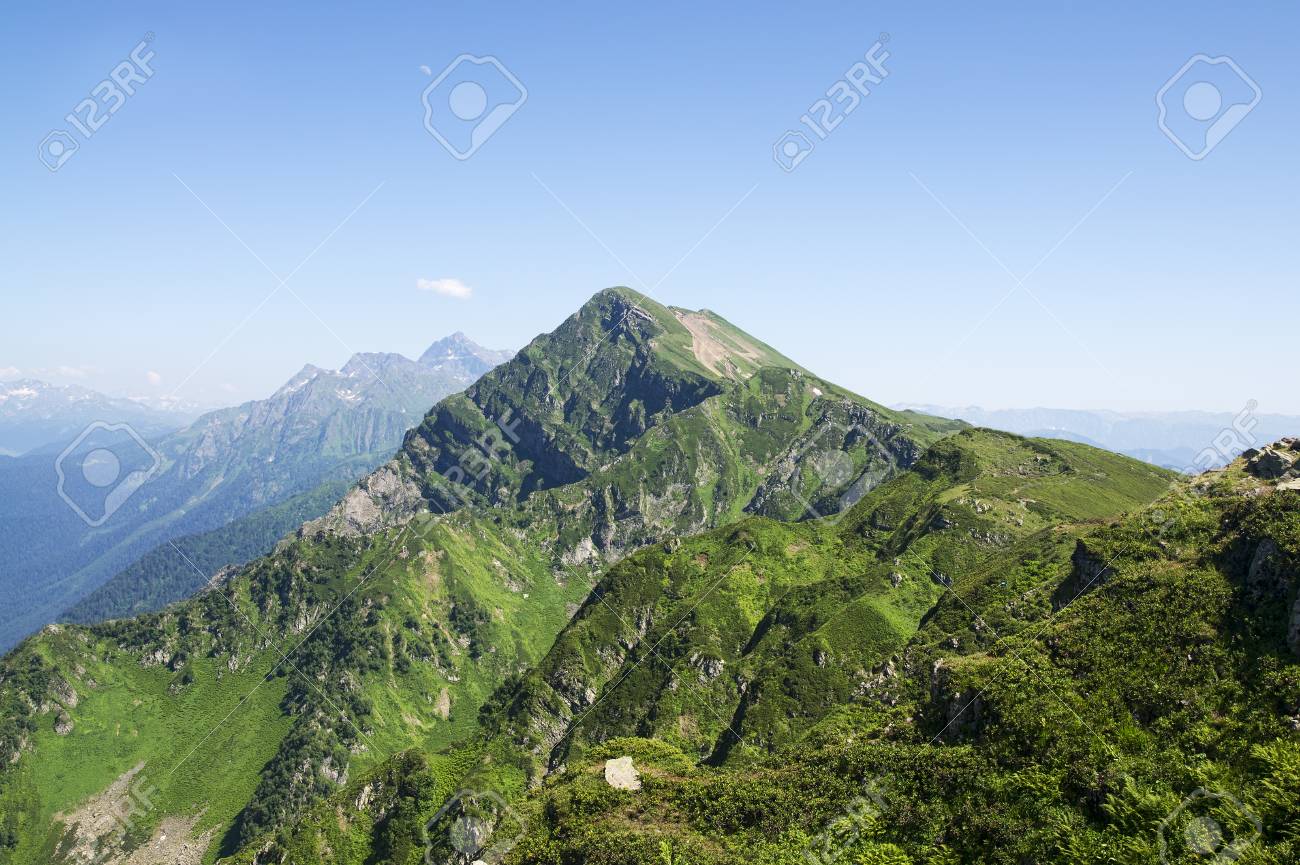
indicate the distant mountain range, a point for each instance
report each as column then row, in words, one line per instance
column 1169, row 439
column 248, row 474
column 35, row 415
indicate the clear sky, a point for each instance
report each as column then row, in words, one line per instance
column 1006, row 138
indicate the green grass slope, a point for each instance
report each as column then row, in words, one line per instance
column 735, row 641
column 1127, row 692
column 760, row 675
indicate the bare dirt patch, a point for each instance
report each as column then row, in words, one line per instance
column 709, row 349
column 173, row 844
column 97, row 830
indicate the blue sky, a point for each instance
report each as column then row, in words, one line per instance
column 1004, row 140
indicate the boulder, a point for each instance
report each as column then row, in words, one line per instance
column 1270, row 465
column 622, row 775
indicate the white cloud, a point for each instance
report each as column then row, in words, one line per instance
column 447, row 287
column 71, row 371
column 153, row 378
column 10, row 372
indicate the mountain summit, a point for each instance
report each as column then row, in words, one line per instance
column 460, row 350
column 577, row 400
column 389, row 623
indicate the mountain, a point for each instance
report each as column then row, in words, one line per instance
column 1016, row 651
column 459, row 352
column 444, row 575
column 763, row 628
column 36, row 415
column 265, row 465
column 1190, row 441
column 650, row 592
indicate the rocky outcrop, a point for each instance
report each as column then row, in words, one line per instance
column 1293, row 634
column 621, row 774
column 960, row 711
column 1266, row 577
column 848, row 451
column 1277, row 462
column 1089, row 570
column 383, row 498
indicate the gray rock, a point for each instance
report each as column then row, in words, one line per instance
column 622, row 775
column 1270, row 465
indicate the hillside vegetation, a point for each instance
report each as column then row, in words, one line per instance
column 387, row 624
column 1090, row 689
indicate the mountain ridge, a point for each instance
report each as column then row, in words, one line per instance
column 1181, row 440
column 1120, row 688
column 37, row 416
column 623, row 435
column 319, row 428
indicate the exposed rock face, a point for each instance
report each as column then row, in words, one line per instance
column 383, row 498
column 815, row 469
column 1089, row 571
column 621, row 774
column 64, row 693
column 1266, row 578
column 1271, row 464
column 707, row 667
column 962, row 713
